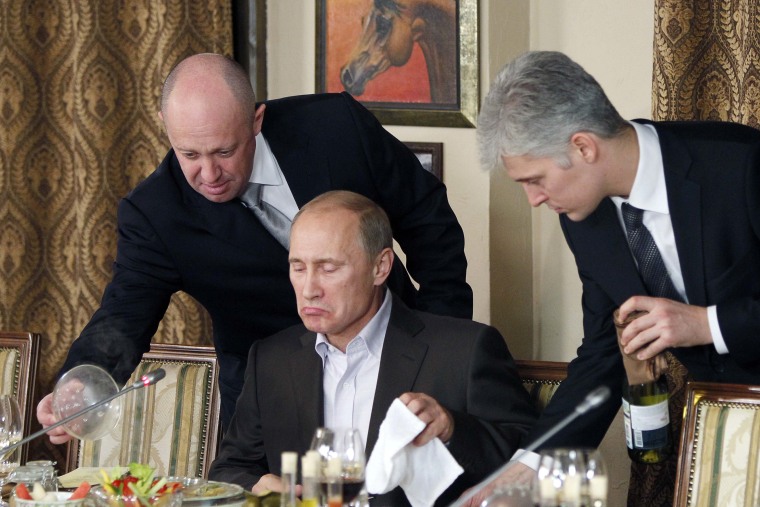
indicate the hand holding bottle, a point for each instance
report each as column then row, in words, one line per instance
column 638, row 371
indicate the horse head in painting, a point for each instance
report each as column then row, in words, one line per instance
column 389, row 33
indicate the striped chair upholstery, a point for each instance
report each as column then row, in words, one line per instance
column 19, row 354
column 541, row 379
column 719, row 460
column 172, row 425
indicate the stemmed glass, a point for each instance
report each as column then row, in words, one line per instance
column 595, row 479
column 560, row 478
column 347, row 444
column 11, row 431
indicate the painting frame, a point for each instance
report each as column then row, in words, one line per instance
column 433, row 151
column 461, row 114
column 249, row 35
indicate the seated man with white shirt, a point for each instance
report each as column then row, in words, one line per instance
column 358, row 349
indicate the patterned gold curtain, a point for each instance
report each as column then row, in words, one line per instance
column 707, row 60
column 706, row 67
column 79, row 88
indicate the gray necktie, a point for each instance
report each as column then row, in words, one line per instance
column 651, row 266
column 273, row 220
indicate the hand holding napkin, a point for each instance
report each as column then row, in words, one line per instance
column 422, row 472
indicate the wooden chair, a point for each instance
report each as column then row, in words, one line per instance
column 173, row 426
column 719, row 460
column 541, row 379
column 19, row 355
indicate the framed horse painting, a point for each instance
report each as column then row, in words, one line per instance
column 411, row 62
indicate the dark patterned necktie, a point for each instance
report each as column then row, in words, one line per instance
column 273, row 220
column 651, row 267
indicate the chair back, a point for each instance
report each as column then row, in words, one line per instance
column 19, row 355
column 719, row 459
column 173, row 425
column 541, row 379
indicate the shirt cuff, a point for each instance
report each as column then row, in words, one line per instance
column 712, row 319
column 527, row 458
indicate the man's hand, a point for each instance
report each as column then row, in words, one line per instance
column 439, row 421
column 46, row 418
column 517, row 473
column 268, row 482
column 668, row 324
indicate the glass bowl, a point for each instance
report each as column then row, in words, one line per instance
column 56, row 499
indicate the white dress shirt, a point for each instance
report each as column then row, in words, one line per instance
column 266, row 171
column 350, row 378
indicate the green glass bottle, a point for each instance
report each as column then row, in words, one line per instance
column 647, row 421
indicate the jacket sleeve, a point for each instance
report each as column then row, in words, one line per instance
column 134, row 302
column 242, row 457
column 598, row 362
column 499, row 411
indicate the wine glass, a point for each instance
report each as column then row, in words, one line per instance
column 560, row 476
column 322, row 442
column 11, row 430
column 595, row 479
column 349, row 446
column 79, row 388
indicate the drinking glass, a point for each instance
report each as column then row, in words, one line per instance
column 347, row 444
column 596, row 479
column 560, row 477
column 351, row 449
column 11, row 430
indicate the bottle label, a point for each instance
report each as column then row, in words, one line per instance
column 646, row 426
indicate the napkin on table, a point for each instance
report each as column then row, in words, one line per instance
column 422, row 472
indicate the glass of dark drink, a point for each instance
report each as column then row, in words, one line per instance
column 349, row 446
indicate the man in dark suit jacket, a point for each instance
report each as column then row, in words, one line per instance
column 454, row 374
column 184, row 227
column 551, row 126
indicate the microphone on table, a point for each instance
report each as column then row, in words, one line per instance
column 590, row 402
column 146, row 380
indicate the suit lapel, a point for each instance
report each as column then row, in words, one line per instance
column 305, row 367
column 400, row 363
column 601, row 239
column 685, row 206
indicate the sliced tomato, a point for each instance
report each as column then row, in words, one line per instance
column 81, row 491
column 22, row 491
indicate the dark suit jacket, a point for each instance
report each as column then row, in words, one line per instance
column 463, row 364
column 712, row 173
column 171, row 238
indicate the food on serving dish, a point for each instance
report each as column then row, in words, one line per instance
column 39, row 496
column 137, row 488
column 50, row 499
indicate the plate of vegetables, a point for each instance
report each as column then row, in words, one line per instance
column 139, row 487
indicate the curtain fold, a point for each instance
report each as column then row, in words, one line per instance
column 706, row 67
column 80, row 83
column 707, row 60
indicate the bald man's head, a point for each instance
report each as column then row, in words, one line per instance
column 205, row 71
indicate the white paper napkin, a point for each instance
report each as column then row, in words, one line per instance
column 422, row 472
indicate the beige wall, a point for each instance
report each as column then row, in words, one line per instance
column 522, row 274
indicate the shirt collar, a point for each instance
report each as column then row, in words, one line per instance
column 372, row 334
column 265, row 168
column 649, row 192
